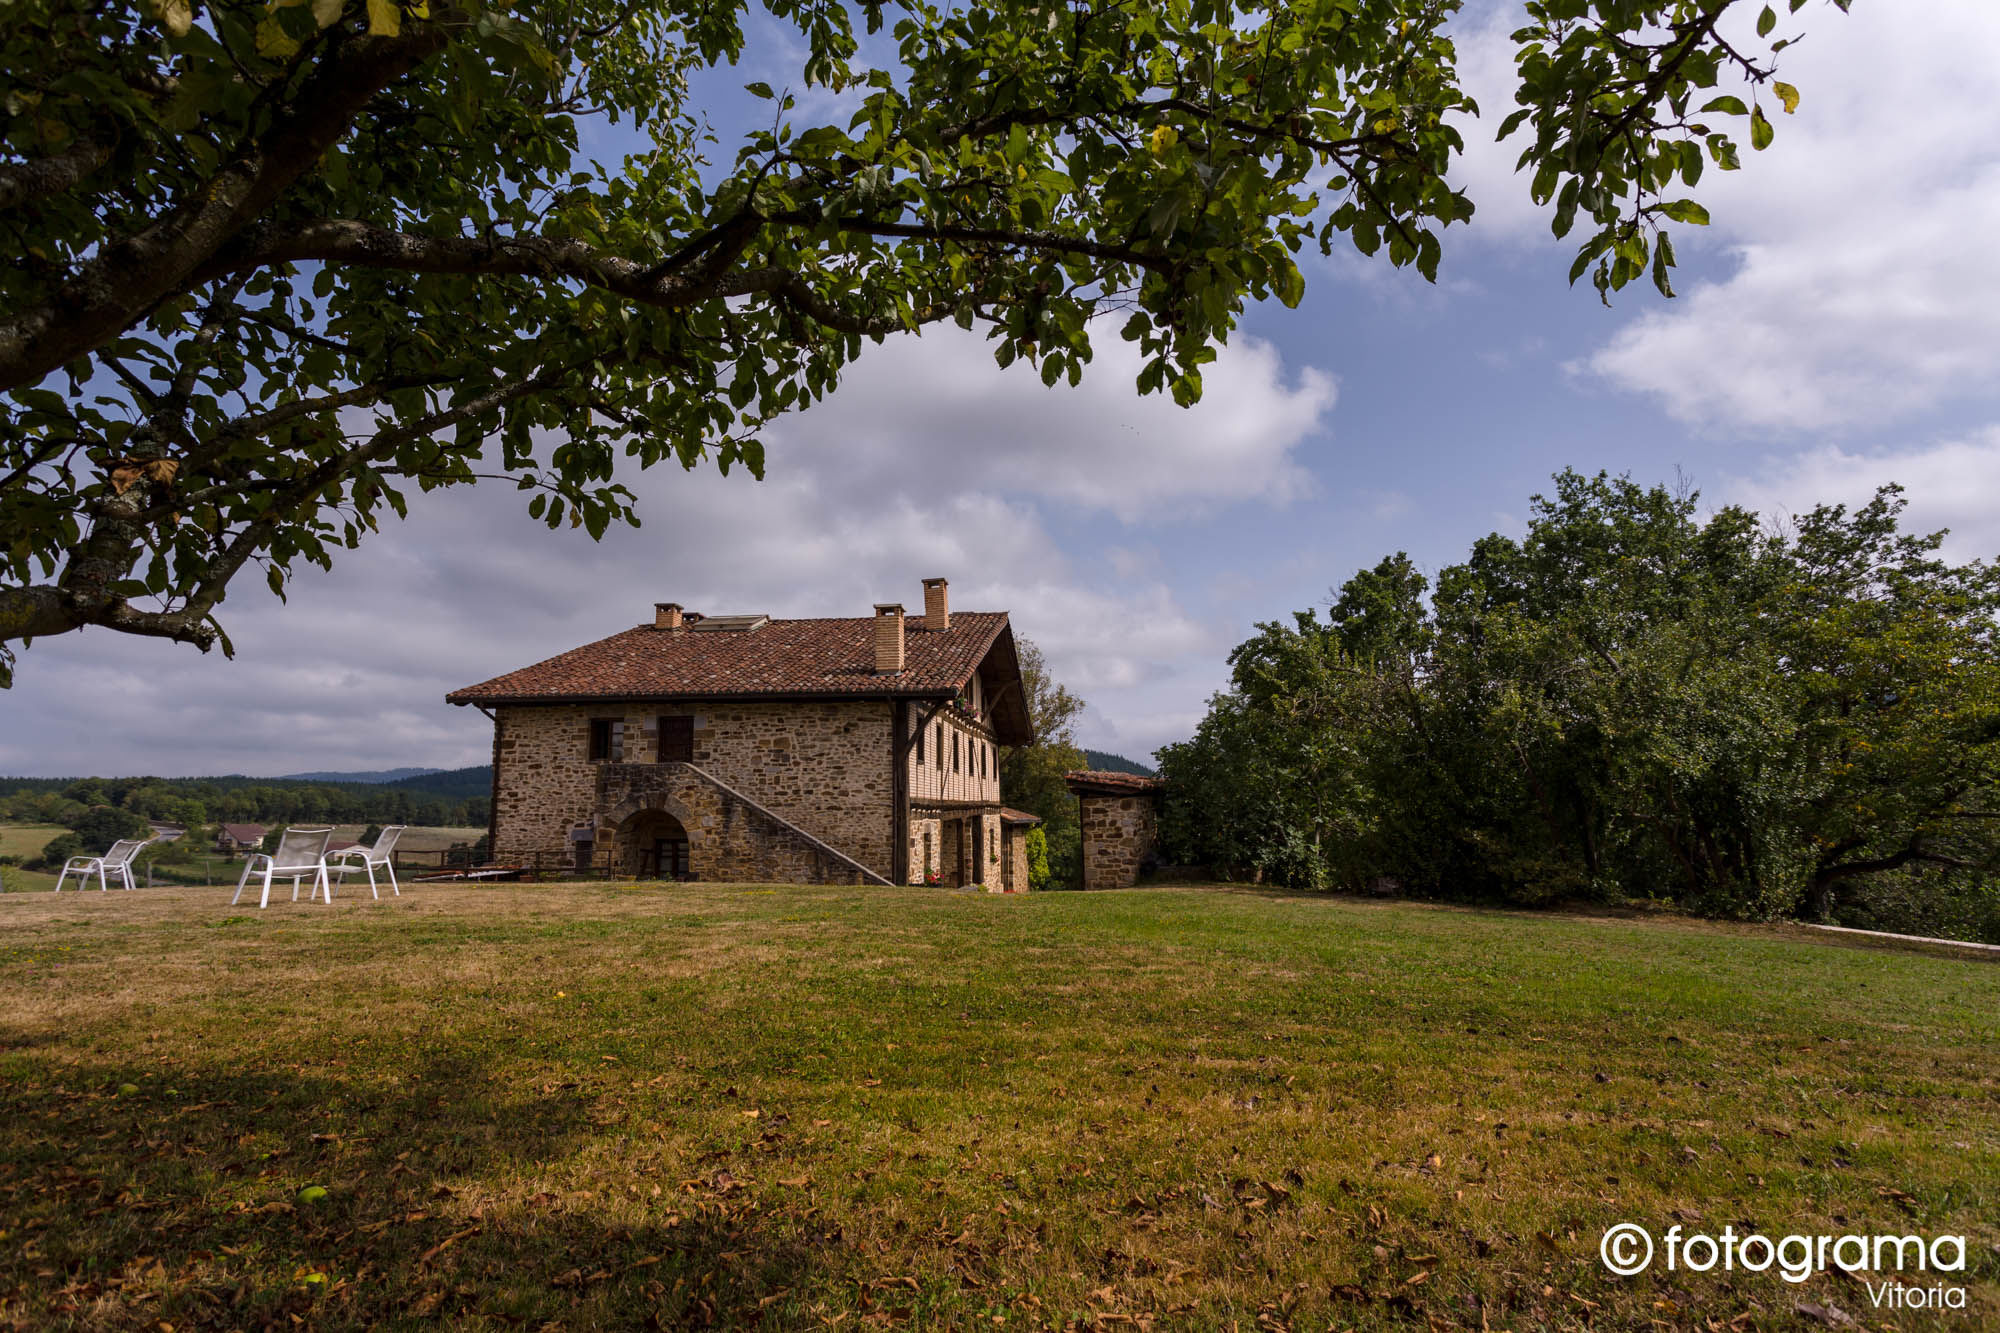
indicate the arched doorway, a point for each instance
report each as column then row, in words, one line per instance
column 654, row 846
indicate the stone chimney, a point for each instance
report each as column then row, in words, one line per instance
column 937, row 604
column 888, row 637
column 666, row 615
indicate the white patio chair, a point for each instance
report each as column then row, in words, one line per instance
column 117, row 861
column 367, row 858
column 301, row 852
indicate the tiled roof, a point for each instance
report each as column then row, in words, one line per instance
column 1009, row 815
column 1099, row 781
column 245, row 832
column 789, row 658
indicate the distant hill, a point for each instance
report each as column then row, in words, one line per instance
column 1117, row 763
column 460, row 784
column 381, row 776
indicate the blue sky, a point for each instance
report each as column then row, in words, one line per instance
column 1839, row 327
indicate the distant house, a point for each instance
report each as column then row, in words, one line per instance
column 234, row 839
column 836, row 750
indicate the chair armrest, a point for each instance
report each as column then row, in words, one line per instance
column 82, row 861
column 250, row 861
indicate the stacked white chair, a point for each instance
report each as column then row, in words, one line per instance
column 383, row 854
column 301, row 852
column 117, row 861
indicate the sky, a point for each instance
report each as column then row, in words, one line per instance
column 1838, row 328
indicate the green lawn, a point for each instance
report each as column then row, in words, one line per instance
column 26, row 840
column 622, row 1107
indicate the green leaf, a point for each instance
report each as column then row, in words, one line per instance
column 273, row 42
column 759, row 89
column 1685, row 210
column 1727, row 105
column 1288, row 283
column 1761, row 132
column 1766, row 21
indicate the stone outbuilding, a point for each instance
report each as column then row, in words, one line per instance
column 745, row 748
column 1119, row 814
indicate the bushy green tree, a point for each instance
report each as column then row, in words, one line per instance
column 1031, row 776
column 1631, row 701
column 58, row 850
column 273, row 267
column 1037, row 845
column 103, row 825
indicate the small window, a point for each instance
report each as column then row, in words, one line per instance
column 940, row 747
column 607, row 740
column 920, row 745
column 677, row 740
column 982, row 761
column 954, row 752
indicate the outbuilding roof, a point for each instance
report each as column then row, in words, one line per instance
column 829, row 658
column 1104, row 782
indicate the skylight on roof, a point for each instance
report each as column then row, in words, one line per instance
column 725, row 623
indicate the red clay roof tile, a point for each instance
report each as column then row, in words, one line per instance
column 832, row 657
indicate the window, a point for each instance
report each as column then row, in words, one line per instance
column 954, row 752
column 920, row 745
column 982, row 761
column 607, row 739
column 940, row 747
column 677, row 740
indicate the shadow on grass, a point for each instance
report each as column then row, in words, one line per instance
column 133, row 1198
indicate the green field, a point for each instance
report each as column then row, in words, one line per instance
column 27, row 840
column 675, row 1106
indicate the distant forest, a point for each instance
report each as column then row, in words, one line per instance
column 1105, row 762
column 458, row 797
column 455, row 797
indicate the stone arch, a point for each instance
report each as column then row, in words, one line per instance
column 620, row 826
column 632, row 805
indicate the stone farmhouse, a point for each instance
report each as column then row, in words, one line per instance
column 743, row 748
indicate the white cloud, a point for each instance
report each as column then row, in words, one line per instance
column 1952, row 484
column 938, row 411
column 1502, row 208
column 929, row 460
column 1864, row 289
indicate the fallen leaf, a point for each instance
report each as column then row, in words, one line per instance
column 445, row 1244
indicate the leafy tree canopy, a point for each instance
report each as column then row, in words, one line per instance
column 1031, row 776
column 273, row 264
column 1632, row 700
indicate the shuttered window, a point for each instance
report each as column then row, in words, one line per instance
column 677, row 740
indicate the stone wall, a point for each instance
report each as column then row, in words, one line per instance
column 926, row 837
column 729, row 840
column 1118, row 834
column 822, row 766
column 1016, row 873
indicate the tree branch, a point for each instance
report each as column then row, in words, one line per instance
column 40, row 177
column 131, row 274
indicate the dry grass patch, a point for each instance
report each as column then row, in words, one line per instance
column 604, row 1106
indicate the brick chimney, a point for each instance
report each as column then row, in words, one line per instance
column 888, row 636
column 937, row 604
column 666, row 615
